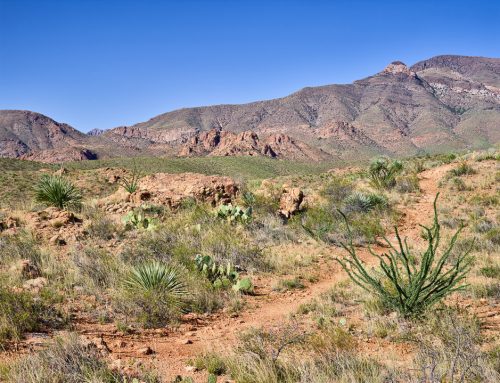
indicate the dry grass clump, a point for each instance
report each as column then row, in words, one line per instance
column 69, row 361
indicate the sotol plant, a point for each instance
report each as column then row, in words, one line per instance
column 404, row 284
column 383, row 172
column 57, row 191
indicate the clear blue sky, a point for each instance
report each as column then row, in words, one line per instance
column 100, row 64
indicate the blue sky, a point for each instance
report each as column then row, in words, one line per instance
column 101, row 64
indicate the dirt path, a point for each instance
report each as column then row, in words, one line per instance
column 219, row 332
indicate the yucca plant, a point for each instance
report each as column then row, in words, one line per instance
column 383, row 172
column 363, row 202
column 158, row 277
column 57, row 191
column 408, row 283
column 156, row 293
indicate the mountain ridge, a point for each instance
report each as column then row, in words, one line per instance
column 443, row 103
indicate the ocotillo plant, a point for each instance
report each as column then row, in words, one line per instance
column 408, row 283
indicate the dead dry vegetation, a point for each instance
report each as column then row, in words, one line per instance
column 308, row 278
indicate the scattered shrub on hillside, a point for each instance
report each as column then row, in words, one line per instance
column 451, row 352
column 54, row 190
column 407, row 286
column 20, row 312
column 68, row 361
column 131, row 183
column 20, row 246
column 462, row 169
column 97, row 268
column 408, row 184
column 102, row 227
column 383, row 171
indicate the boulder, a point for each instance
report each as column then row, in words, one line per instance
column 290, row 201
column 26, row 269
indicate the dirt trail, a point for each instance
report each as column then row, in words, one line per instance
column 267, row 308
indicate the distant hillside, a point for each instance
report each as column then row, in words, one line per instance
column 444, row 103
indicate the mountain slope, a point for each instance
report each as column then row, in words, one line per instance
column 23, row 132
column 444, row 103
column 447, row 102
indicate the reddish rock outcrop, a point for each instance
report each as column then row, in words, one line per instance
column 171, row 189
column 61, row 155
column 248, row 143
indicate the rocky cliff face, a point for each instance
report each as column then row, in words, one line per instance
column 440, row 104
column 248, row 143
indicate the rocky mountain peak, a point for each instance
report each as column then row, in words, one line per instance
column 397, row 67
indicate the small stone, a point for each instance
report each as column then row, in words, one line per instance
column 186, row 341
column 146, row 351
column 190, row 369
column 35, row 284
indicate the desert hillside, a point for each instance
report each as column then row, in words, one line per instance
column 250, row 270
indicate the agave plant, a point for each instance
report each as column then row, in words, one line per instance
column 156, row 277
column 57, row 191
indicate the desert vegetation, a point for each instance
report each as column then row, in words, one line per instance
column 291, row 273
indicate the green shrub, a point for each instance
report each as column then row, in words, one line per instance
column 403, row 285
column 97, row 268
column 57, row 191
column 492, row 271
column 19, row 313
column 383, row 171
column 461, row 170
column 408, row 184
column 211, row 362
column 20, row 246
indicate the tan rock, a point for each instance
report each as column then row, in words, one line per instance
column 290, row 201
column 35, row 285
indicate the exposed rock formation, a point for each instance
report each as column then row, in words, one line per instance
column 61, row 155
column 222, row 143
column 171, row 189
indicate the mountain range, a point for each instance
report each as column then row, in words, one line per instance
column 440, row 104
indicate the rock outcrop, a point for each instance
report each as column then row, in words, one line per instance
column 172, row 189
column 248, row 143
column 61, row 155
